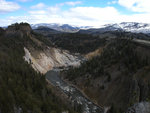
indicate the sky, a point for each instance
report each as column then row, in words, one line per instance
column 74, row 12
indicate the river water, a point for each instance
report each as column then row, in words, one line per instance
column 76, row 97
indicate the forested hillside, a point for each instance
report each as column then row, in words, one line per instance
column 87, row 41
column 78, row 43
column 74, row 42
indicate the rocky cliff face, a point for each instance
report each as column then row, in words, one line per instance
column 43, row 61
column 19, row 30
column 1, row 31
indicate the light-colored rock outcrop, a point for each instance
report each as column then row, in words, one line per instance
column 50, row 58
column 142, row 107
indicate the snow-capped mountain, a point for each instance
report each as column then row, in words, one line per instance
column 60, row 27
column 35, row 26
column 133, row 27
column 130, row 27
column 124, row 26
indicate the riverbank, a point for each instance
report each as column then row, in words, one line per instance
column 78, row 99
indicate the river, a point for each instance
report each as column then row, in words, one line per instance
column 76, row 97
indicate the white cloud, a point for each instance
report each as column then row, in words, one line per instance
column 83, row 16
column 77, row 16
column 56, row 7
column 69, row 3
column 38, row 6
column 90, row 15
column 73, row 3
column 136, row 5
column 6, row 6
column 53, row 10
column 39, row 12
column 112, row 2
column 144, row 18
column 24, row 0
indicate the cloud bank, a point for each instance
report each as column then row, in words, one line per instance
column 6, row 6
column 83, row 16
column 136, row 5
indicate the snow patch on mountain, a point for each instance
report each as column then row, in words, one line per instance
column 130, row 27
column 124, row 26
column 61, row 27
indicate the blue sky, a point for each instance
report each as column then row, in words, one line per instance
column 74, row 12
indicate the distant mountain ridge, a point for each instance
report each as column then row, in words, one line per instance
column 133, row 27
column 60, row 27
